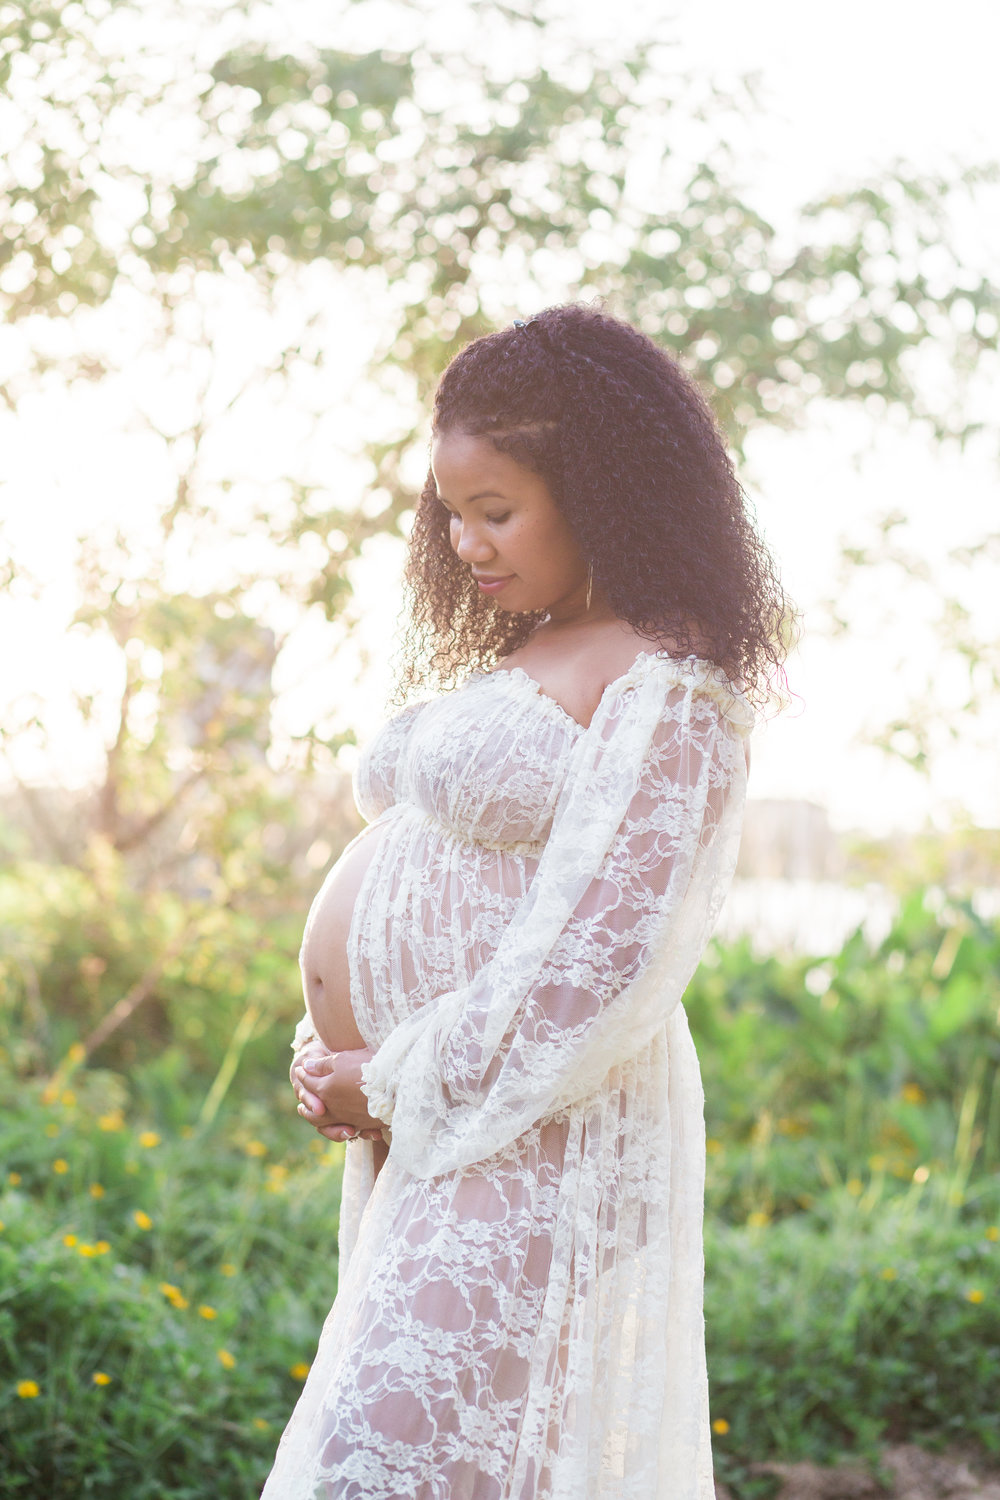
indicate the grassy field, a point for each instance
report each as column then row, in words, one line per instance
column 168, row 1242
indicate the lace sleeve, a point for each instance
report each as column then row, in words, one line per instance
column 304, row 1033
column 601, row 949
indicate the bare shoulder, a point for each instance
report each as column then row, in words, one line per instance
column 576, row 667
column 618, row 649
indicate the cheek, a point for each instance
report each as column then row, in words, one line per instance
column 556, row 543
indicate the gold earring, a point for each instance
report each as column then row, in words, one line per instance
column 590, row 585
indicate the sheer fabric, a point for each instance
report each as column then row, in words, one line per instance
column 519, row 1314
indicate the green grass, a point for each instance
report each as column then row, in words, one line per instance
column 169, row 1224
column 870, row 1318
column 188, row 1270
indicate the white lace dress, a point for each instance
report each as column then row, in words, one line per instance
column 519, row 1313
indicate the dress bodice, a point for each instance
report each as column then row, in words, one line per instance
column 486, row 764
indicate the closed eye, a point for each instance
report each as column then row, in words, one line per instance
column 453, row 515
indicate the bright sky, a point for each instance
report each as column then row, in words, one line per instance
column 841, row 91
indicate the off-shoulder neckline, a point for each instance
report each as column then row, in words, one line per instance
column 539, row 692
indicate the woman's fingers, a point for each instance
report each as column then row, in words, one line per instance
column 312, row 1102
column 319, row 1065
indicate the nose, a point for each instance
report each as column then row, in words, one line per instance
column 469, row 542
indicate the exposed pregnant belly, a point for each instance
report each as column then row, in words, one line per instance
column 326, row 974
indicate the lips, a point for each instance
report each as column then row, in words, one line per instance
column 492, row 585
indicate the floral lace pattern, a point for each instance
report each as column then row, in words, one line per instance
column 519, row 1315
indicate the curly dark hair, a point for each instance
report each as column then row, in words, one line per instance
column 632, row 456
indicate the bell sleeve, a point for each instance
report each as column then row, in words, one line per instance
column 603, row 945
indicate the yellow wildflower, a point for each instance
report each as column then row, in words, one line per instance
column 913, row 1093
column 52, row 1129
column 96, row 1191
column 2, row 1226
column 993, row 1233
column 60, row 1166
column 204, row 1311
column 721, row 1426
column 142, row 1219
column 49, row 1094
column 27, row 1389
column 227, row 1268
column 102, row 1247
column 173, row 1294
column 87, row 1251
column 69, row 1240
column 187, row 1131
column 14, row 1178
column 99, row 1378
column 113, row 1121
column 299, row 1371
column 855, row 1187
column 888, row 1273
column 77, row 1052
column 261, row 1423
column 226, row 1360
column 68, row 1098
column 712, row 1146
column 975, row 1294
column 921, row 1174
column 255, row 1148
column 149, row 1139
column 758, row 1219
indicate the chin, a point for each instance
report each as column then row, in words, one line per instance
column 516, row 609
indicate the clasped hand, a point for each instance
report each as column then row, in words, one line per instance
column 328, row 1088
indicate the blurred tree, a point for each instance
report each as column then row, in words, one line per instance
column 184, row 199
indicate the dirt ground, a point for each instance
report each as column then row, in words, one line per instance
column 915, row 1475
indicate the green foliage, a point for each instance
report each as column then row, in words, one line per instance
column 853, row 1201
column 861, row 1068
column 857, row 1324
column 445, row 193
column 80, row 950
column 447, row 197
column 186, row 1269
column 853, row 1227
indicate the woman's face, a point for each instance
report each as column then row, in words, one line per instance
column 507, row 528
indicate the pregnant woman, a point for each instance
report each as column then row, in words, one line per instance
column 494, row 969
